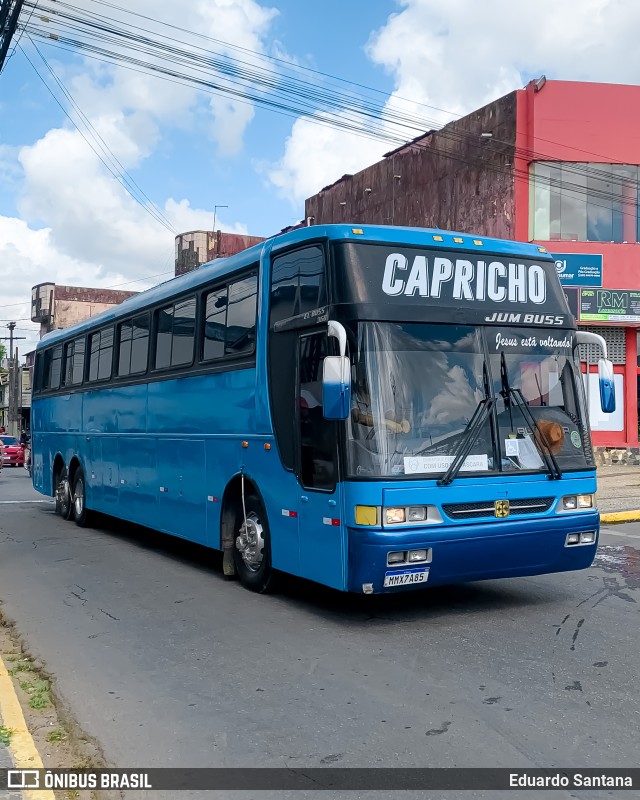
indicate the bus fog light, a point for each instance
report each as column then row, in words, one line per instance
column 394, row 515
column 585, row 501
column 417, row 555
column 570, row 502
column 417, row 513
column 588, row 537
column 398, row 557
column 573, row 538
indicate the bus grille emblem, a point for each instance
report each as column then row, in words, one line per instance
column 501, row 508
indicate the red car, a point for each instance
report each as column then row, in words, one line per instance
column 13, row 452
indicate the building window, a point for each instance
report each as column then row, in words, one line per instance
column 584, row 202
column 176, row 328
column 74, row 362
column 134, row 346
column 230, row 320
column 100, row 355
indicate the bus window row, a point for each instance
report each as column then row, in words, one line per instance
column 158, row 340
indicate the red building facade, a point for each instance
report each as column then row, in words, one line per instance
column 557, row 163
column 583, row 141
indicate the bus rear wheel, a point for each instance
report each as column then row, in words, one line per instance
column 80, row 511
column 64, row 506
column 252, row 547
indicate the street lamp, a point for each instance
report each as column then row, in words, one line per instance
column 215, row 211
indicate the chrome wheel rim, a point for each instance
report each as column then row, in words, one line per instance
column 250, row 542
column 63, row 493
column 78, row 500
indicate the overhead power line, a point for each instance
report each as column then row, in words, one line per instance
column 133, row 47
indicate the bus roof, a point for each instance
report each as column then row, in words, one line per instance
column 384, row 234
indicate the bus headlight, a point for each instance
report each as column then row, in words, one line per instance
column 394, row 516
column 574, row 502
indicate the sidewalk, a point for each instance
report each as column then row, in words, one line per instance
column 5, row 763
column 618, row 490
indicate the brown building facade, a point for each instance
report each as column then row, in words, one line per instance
column 55, row 306
column 458, row 178
column 195, row 248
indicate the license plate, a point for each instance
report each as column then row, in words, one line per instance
column 404, row 576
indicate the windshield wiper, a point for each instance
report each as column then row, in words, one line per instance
column 509, row 394
column 468, row 439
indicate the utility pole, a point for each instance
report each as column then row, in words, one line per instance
column 14, row 423
column 9, row 13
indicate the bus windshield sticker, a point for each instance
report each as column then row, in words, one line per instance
column 414, row 465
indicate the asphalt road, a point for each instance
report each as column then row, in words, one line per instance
column 167, row 664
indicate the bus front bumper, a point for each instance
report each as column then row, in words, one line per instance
column 471, row 552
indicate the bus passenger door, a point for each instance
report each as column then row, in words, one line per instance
column 322, row 548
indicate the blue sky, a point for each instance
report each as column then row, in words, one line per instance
column 64, row 218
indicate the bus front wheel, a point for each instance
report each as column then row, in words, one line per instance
column 252, row 547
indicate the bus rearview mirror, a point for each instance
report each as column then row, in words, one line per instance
column 607, row 387
column 336, row 387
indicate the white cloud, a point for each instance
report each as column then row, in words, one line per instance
column 449, row 58
column 315, row 156
column 79, row 225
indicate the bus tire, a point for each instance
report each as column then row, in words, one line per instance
column 81, row 513
column 64, row 506
column 252, row 547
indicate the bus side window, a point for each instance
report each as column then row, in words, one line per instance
column 298, row 283
column 230, row 319
column 100, row 355
column 134, row 345
column 52, row 368
column 74, row 362
column 175, row 334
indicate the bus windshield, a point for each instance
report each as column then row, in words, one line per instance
column 416, row 387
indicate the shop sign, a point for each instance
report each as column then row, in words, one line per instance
column 579, row 269
column 609, row 305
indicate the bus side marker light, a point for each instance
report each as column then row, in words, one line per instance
column 478, row 242
column 437, row 238
column 212, row 499
column 287, row 513
column 267, row 446
column 331, row 521
column 458, row 239
column 366, row 515
column 164, row 489
column 245, row 444
column 357, row 231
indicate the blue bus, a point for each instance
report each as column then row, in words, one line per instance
column 371, row 408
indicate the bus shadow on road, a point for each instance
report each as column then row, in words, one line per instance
column 451, row 601
column 430, row 603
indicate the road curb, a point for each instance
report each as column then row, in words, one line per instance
column 616, row 517
column 22, row 748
